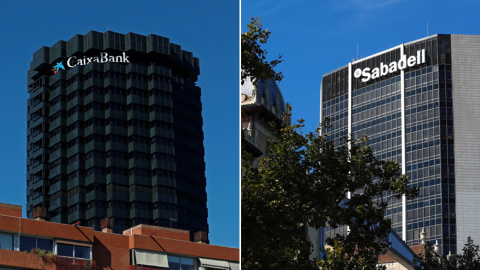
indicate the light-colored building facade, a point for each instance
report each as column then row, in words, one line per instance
column 261, row 104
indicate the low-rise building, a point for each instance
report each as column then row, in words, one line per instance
column 38, row 244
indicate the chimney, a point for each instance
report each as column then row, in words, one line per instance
column 40, row 213
column 107, row 224
column 201, row 237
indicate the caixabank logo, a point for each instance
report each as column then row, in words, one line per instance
column 102, row 58
column 57, row 67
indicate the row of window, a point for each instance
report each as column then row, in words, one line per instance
column 110, row 121
column 60, row 248
column 116, row 171
column 109, row 106
column 110, row 74
column 27, row 243
column 107, row 138
column 115, row 138
column 376, row 95
column 368, row 87
column 162, row 90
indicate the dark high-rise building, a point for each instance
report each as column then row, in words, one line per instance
column 419, row 104
column 115, row 130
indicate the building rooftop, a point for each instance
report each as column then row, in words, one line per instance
column 38, row 244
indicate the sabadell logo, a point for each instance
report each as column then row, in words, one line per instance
column 394, row 66
column 103, row 58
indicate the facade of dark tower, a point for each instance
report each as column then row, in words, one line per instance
column 121, row 140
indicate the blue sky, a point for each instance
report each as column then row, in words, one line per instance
column 209, row 29
column 316, row 37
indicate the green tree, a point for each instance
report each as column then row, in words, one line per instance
column 303, row 181
column 254, row 58
column 339, row 260
column 469, row 260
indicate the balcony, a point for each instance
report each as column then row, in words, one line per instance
column 73, row 102
column 163, row 148
column 137, row 267
column 161, row 132
column 37, row 91
column 56, row 154
column 113, row 82
column 93, row 113
column 74, row 150
column 57, row 91
column 74, row 118
column 57, row 122
column 111, row 97
column 37, row 106
column 95, row 178
column 164, row 117
column 56, row 171
column 54, row 204
column 38, row 153
column 36, row 169
column 38, row 200
column 139, row 147
column 93, row 97
column 38, row 137
column 59, row 185
column 73, row 134
column 167, row 102
column 95, row 195
column 112, row 129
column 37, row 260
column 114, row 113
column 155, row 84
column 74, row 263
column 134, row 114
column 73, row 167
column 38, row 121
column 145, row 132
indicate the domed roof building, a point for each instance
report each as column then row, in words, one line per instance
column 263, row 93
column 261, row 103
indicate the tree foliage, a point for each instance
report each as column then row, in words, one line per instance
column 469, row 260
column 339, row 260
column 254, row 58
column 303, row 181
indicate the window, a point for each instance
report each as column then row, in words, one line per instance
column 65, row 250
column 45, row 244
column 82, row 252
column 6, row 241
column 181, row 263
column 68, row 250
column 28, row 243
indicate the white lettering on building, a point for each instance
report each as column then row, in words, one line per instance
column 104, row 58
column 367, row 74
